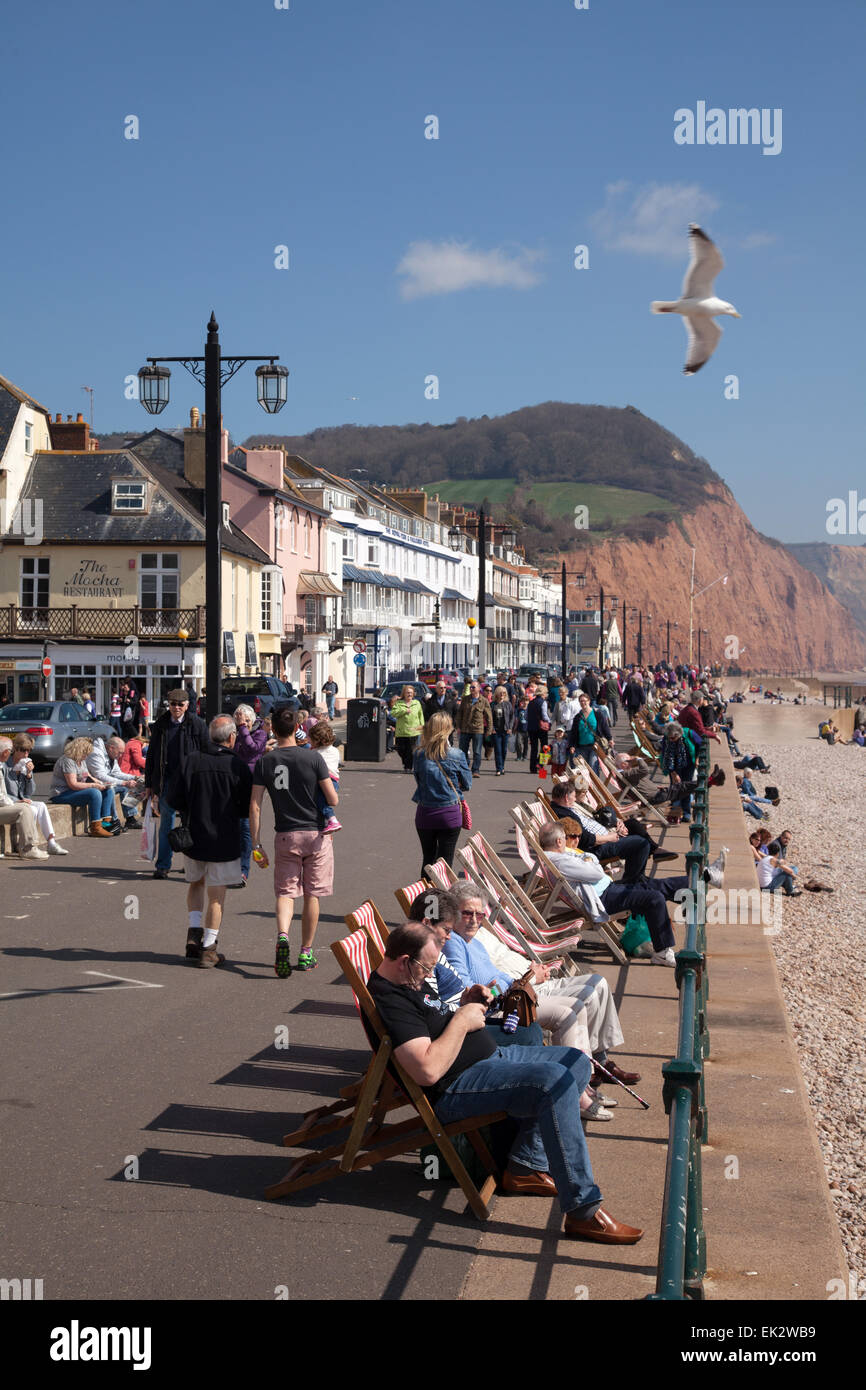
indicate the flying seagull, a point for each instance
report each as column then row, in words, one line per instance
column 697, row 303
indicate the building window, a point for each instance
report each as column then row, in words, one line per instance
column 293, row 531
column 129, row 496
column 159, row 590
column 35, row 580
column 28, row 437
column 272, row 600
column 372, row 552
column 306, row 534
column 348, row 547
column 278, row 526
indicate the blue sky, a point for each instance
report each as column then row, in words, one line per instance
column 305, row 127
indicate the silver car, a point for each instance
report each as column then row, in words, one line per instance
column 50, row 725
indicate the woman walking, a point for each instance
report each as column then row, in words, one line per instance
column 583, row 733
column 502, row 713
column 410, row 722
column 441, row 774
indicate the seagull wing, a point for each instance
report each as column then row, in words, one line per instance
column 704, row 334
column 704, row 266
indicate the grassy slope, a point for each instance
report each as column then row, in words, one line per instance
column 557, row 499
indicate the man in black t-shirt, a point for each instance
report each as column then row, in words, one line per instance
column 463, row 1073
column 303, row 856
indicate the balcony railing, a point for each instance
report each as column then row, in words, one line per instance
column 97, row 624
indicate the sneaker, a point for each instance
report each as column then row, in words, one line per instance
column 307, row 961
column 596, row 1111
column 34, row 853
column 210, row 956
column 663, row 957
column 283, row 963
column 331, row 826
column 194, row 939
column 607, row 1102
column 54, row 848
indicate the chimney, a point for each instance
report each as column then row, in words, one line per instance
column 193, row 451
column 70, row 436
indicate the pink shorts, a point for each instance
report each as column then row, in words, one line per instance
column 303, row 864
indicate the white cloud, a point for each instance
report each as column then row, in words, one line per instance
column 652, row 220
column 757, row 239
column 444, row 267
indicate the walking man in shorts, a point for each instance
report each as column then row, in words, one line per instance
column 211, row 790
column 303, row 855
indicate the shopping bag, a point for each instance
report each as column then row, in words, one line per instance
column 147, row 848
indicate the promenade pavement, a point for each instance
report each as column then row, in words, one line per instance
column 146, row 1127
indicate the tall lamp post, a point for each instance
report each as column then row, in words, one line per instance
column 564, row 575
column 696, row 593
column 213, row 370
column 676, row 625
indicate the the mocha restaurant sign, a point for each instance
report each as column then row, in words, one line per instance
column 92, row 580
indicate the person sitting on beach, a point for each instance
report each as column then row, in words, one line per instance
column 773, row 873
column 758, row 841
column 750, row 803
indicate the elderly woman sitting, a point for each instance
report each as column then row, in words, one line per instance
column 579, row 1010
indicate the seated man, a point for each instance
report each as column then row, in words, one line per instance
column 18, row 783
column 578, row 1010
column 774, row 873
column 629, row 840
column 463, row 1073
column 634, row 772
column 648, row 898
column 103, row 764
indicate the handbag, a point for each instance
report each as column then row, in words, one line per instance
column 180, row 838
column 465, row 813
column 606, row 816
column 522, row 1000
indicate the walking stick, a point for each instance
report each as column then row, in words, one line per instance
column 611, row 1077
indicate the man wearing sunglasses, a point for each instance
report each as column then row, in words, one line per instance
column 464, row 1073
column 176, row 734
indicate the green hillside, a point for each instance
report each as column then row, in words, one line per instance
column 555, row 499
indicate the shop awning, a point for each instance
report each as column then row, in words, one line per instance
column 354, row 575
column 313, row 582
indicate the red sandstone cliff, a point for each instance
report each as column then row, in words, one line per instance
column 782, row 615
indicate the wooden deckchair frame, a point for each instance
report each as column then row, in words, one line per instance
column 371, row 1140
column 601, row 787
column 488, row 871
column 404, row 902
column 604, row 929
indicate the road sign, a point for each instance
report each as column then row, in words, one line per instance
column 47, row 666
column 360, row 659
column 359, row 646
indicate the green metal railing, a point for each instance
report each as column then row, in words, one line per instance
column 682, row 1260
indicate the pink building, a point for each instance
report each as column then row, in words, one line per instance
column 305, row 546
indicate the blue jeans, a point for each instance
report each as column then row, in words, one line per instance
column 500, row 750
column 246, row 846
column 166, row 822
column 541, row 1086
column 332, row 709
column 99, row 801
column 781, row 880
column 753, row 810
column 477, row 742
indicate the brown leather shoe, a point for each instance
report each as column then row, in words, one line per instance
column 99, row 832
column 602, row 1228
column 528, row 1184
column 631, row 1078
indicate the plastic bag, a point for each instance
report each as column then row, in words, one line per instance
column 634, row 934
column 149, row 835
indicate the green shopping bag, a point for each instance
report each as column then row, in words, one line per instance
column 634, row 934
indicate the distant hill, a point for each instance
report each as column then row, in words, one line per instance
column 550, row 443
column 841, row 569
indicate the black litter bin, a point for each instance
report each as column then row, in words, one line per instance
column 365, row 732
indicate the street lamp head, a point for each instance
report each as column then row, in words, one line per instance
column 454, row 538
column 271, row 386
column 182, row 634
column 509, row 539
column 153, row 388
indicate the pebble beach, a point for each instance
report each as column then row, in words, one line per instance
column 821, row 948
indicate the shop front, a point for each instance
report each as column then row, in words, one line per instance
column 99, row 669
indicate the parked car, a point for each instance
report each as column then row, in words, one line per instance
column 533, row 669
column 50, row 725
column 265, row 694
